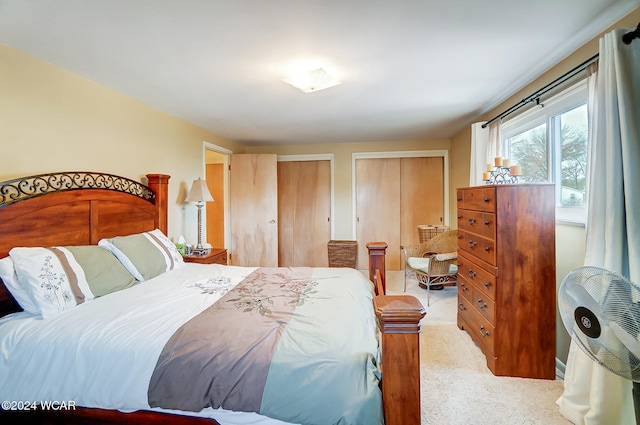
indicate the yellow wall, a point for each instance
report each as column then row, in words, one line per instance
column 52, row 120
column 570, row 240
column 343, row 173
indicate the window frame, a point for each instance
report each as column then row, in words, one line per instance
column 568, row 99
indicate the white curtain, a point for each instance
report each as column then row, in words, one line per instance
column 495, row 141
column 593, row 395
column 486, row 144
column 479, row 143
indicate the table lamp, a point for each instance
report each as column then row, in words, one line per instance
column 199, row 194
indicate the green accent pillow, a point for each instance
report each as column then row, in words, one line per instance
column 145, row 255
column 104, row 273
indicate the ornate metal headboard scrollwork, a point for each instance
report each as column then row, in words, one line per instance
column 24, row 188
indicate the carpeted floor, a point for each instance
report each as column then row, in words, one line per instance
column 456, row 385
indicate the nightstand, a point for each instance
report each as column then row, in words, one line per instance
column 216, row 256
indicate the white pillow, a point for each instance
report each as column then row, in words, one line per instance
column 145, row 255
column 20, row 293
column 54, row 279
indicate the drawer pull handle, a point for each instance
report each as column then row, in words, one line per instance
column 472, row 243
column 486, row 248
column 485, row 199
column 487, row 284
column 472, row 221
column 459, row 217
column 461, row 307
column 482, row 331
column 481, row 304
column 471, row 273
column 486, row 222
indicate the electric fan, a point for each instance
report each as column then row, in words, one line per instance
column 600, row 310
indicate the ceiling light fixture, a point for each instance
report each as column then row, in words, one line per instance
column 311, row 81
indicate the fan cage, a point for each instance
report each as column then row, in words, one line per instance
column 618, row 303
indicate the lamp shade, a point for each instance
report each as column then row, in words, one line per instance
column 199, row 192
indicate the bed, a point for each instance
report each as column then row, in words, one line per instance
column 188, row 319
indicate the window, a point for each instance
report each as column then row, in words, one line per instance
column 549, row 142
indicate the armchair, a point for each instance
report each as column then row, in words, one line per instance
column 433, row 262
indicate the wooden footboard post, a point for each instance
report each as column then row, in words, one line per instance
column 399, row 321
column 377, row 252
column 159, row 183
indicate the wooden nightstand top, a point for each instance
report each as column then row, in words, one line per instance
column 216, row 256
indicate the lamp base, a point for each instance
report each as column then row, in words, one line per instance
column 200, row 251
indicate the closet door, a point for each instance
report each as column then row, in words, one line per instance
column 378, row 208
column 421, row 196
column 393, row 197
column 304, row 213
column 254, row 209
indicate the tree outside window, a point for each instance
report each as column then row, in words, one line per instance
column 568, row 143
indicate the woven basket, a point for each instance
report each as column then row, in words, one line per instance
column 427, row 231
column 342, row 253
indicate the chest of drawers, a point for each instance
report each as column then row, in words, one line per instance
column 507, row 276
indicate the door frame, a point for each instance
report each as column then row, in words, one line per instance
column 444, row 154
column 225, row 185
column 317, row 157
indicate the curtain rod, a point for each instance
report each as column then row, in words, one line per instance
column 628, row 37
column 535, row 97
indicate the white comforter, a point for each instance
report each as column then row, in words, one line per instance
column 89, row 371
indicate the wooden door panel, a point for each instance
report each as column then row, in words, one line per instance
column 378, row 208
column 254, row 209
column 313, row 212
column 421, row 196
column 215, row 210
column 304, row 209
column 286, row 212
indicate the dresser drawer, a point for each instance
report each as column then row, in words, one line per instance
column 481, row 223
column 479, row 199
column 479, row 328
column 465, row 290
column 465, row 310
column 478, row 299
column 478, row 246
column 485, row 306
column 484, row 281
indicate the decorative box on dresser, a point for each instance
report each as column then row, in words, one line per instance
column 507, row 276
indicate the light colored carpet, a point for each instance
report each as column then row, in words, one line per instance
column 456, row 385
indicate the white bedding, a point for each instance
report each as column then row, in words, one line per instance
column 87, row 370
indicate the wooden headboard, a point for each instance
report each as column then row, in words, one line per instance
column 76, row 208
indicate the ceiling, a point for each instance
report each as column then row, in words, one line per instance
column 410, row 69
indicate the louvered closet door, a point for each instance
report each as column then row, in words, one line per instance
column 304, row 211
